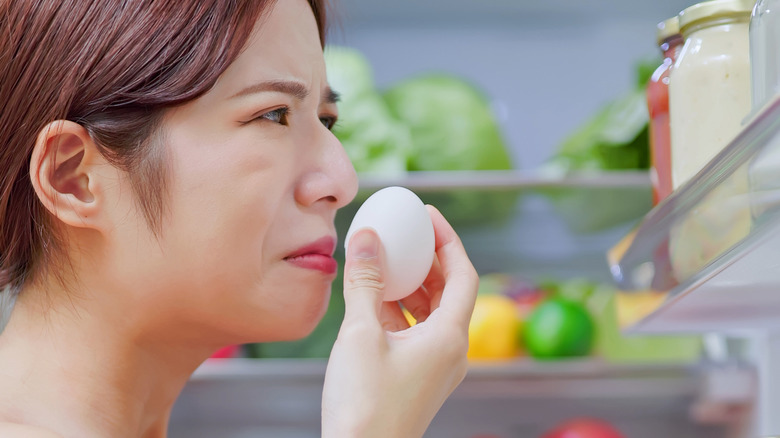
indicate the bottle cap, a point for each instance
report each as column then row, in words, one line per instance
column 712, row 10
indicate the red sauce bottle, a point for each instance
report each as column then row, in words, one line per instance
column 670, row 42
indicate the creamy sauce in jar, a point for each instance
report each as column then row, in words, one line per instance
column 709, row 95
column 709, row 98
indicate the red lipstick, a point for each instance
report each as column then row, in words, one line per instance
column 317, row 255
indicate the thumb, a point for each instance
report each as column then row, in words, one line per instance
column 363, row 276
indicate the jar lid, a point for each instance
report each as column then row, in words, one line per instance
column 667, row 29
column 714, row 9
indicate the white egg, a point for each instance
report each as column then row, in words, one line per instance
column 404, row 226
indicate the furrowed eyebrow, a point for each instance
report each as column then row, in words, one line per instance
column 329, row 96
column 293, row 88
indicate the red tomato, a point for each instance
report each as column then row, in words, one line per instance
column 584, row 428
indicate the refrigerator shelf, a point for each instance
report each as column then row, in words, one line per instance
column 274, row 370
column 500, row 180
column 281, row 398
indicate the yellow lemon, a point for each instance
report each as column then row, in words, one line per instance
column 494, row 329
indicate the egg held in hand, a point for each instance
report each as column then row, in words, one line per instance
column 404, row 226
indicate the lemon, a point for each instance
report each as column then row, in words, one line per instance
column 494, row 329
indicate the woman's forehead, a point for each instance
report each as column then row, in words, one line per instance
column 285, row 45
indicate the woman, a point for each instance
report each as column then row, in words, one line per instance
column 169, row 186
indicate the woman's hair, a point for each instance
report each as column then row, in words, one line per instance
column 114, row 67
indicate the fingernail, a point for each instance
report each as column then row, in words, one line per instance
column 365, row 244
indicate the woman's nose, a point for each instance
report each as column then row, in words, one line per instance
column 332, row 178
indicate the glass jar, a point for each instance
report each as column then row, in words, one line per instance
column 670, row 42
column 709, row 96
column 765, row 51
column 709, row 86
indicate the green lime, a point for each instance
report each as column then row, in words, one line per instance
column 559, row 328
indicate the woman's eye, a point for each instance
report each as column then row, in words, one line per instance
column 328, row 121
column 278, row 115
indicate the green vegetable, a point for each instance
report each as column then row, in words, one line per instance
column 453, row 128
column 451, row 123
column 614, row 138
column 434, row 123
column 349, row 72
column 374, row 140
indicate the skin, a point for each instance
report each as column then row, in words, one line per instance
column 248, row 188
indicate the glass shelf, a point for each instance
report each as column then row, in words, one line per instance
column 707, row 258
column 496, row 180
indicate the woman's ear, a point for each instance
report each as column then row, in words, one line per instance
column 62, row 170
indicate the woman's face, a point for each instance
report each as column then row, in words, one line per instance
column 256, row 179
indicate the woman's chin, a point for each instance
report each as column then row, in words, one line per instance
column 298, row 324
column 289, row 333
column 306, row 325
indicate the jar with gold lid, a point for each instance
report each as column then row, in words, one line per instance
column 709, row 97
column 709, row 88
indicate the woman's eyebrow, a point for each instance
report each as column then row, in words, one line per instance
column 293, row 88
column 329, row 96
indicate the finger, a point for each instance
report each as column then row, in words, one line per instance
column 363, row 281
column 418, row 304
column 461, row 281
column 392, row 317
column 434, row 284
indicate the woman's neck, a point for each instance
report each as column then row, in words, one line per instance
column 80, row 371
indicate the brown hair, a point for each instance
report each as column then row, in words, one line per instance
column 112, row 66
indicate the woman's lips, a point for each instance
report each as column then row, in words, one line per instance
column 316, row 255
column 318, row 262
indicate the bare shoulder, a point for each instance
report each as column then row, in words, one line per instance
column 12, row 430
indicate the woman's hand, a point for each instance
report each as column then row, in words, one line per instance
column 384, row 378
